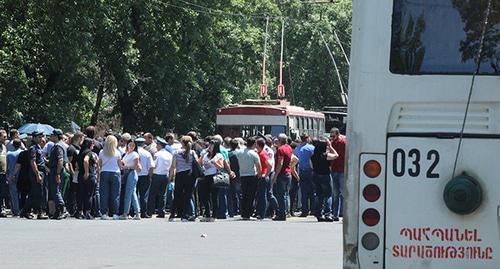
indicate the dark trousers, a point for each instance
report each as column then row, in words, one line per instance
column 248, row 189
column 294, row 190
column 157, row 194
column 35, row 197
column 143, row 185
column 234, row 197
column 71, row 198
column 209, row 196
column 4, row 192
column 86, row 192
column 183, row 193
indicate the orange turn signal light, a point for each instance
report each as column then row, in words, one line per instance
column 372, row 169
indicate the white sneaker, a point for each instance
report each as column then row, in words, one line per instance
column 116, row 217
column 105, row 217
column 123, row 217
column 137, row 217
column 184, row 220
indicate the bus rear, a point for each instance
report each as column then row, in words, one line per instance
column 422, row 190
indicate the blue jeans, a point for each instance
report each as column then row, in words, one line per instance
column 169, row 195
column 323, row 189
column 109, row 190
column 222, row 202
column 306, row 190
column 338, row 198
column 55, row 189
column 130, row 197
column 282, row 189
column 271, row 199
column 14, row 197
column 262, row 201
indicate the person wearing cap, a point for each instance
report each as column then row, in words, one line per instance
column 37, row 175
column 58, row 159
column 144, row 182
column 304, row 151
column 159, row 180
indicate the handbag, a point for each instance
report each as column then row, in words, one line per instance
column 221, row 179
column 196, row 169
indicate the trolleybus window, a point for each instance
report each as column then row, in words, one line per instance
column 442, row 37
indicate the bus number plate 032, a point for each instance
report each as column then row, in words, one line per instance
column 415, row 163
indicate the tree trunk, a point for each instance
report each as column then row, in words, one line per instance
column 97, row 106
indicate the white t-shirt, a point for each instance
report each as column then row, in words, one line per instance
column 129, row 159
column 163, row 161
column 210, row 168
column 110, row 164
column 146, row 160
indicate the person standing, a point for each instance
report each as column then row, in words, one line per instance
column 149, row 143
column 170, row 139
column 57, row 162
column 304, row 151
column 159, row 180
column 73, row 151
column 12, row 176
column 250, row 173
column 37, row 175
column 234, row 196
column 181, row 173
column 282, row 177
column 110, row 180
column 322, row 181
column 14, row 134
column 131, row 166
column 266, row 164
column 212, row 162
column 90, row 132
column 338, row 144
column 4, row 188
column 87, row 178
column 143, row 185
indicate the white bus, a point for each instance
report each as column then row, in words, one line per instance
column 412, row 201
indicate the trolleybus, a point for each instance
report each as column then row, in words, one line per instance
column 422, row 188
column 259, row 117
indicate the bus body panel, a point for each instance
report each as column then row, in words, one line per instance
column 375, row 92
column 421, row 232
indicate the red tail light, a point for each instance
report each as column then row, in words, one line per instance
column 372, row 169
column 371, row 193
column 371, row 217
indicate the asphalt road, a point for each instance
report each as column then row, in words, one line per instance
column 156, row 243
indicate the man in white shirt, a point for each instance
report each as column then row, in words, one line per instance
column 159, row 181
column 144, row 182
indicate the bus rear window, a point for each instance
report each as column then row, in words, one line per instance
column 442, row 37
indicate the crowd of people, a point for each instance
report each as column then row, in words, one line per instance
column 120, row 176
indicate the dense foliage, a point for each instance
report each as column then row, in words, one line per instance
column 161, row 65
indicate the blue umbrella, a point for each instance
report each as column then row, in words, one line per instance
column 29, row 128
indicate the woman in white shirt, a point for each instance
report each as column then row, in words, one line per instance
column 212, row 161
column 131, row 166
column 110, row 180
